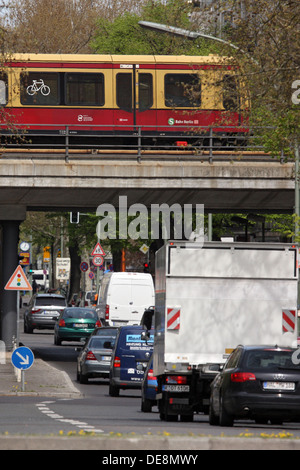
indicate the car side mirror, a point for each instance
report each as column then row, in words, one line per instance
column 147, row 317
column 145, row 336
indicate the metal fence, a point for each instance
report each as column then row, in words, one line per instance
column 204, row 141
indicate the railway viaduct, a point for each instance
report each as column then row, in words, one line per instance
column 82, row 180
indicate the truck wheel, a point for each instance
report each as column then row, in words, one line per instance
column 225, row 418
column 186, row 418
column 170, row 418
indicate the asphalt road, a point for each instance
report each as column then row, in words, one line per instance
column 97, row 413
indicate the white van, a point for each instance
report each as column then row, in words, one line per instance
column 123, row 298
column 41, row 277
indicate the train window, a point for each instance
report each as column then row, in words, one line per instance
column 230, row 93
column 145, row 91
column 84, row 89
column 3, row 89
column 124, row 91
column 182, row 90
column 40, row 88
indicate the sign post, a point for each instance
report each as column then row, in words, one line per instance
column 22, row 358
column 98, row 253
column 18, row 282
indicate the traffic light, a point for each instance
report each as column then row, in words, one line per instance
column 74, row 217
column 146, row 267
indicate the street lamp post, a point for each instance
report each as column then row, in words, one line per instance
column 186, row 33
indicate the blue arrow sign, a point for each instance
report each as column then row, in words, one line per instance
column 22, row 358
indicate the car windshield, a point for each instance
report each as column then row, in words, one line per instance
column 57, row 301
column 270, row 359
column 101, row 342
column 81, row 313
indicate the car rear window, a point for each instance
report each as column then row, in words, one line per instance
column 102, row 342
column 269, row 359
column 80, row 313
column 42, row 301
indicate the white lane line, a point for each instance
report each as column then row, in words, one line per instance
column 51, row 414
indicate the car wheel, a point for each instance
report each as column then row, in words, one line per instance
column 27, row 329
column 83, row 379
column 213, row 418
column 225, row 418
column 146, row 406
column 276, row 421
column 57, row 341
column 114, row 391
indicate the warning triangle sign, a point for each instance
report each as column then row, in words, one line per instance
column 18, row 281
column 98, row 250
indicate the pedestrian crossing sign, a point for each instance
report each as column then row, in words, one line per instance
column 18, row 281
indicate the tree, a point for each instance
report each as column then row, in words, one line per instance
column 50, row 26
column 123, row 35
column 267, row 36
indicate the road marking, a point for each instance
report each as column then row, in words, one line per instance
column 52, row 414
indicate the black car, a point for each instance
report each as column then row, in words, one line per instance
column 257, row 382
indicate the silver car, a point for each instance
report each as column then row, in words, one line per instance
column 42, row 311
column 94, row 359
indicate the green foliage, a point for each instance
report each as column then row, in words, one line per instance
column 278, row 132
column 125, row 36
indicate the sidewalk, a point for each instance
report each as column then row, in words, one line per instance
column 40, row 380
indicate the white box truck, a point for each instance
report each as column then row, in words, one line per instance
column 209, row 299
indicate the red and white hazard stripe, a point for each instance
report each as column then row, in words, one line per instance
column 173, row 318
column 288, row 320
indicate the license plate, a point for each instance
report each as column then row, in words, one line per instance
column 279, row 386
column 176, row 388
column 105, row 358
column 81, row 325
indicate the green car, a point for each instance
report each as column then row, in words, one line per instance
column 75, row 324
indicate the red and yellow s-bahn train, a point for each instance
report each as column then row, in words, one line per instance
column 164, row 98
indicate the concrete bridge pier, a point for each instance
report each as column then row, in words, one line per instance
column 10, row 217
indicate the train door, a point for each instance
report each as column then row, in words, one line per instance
column 134, row 99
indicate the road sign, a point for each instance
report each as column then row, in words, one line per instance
column 26, row 258
column 18, row 281
column 97, row 260
column 98, row 250
column 84, row 266
column 91, row 275
column 144, row 249
column 22, row 358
